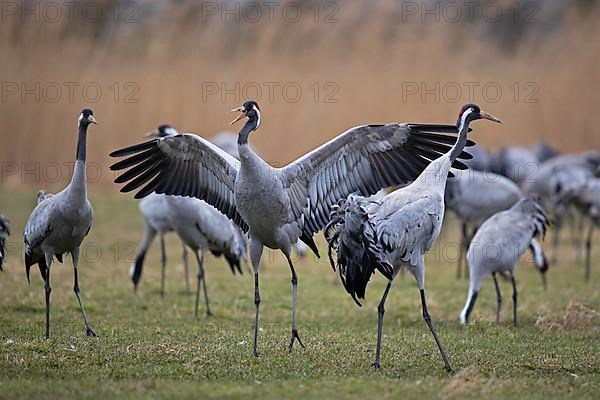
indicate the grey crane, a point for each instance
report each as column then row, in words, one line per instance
column 154, row 209
column 396, row 232
column 515, row 162
column 480, row 160
column 204, row 228
column 554, row 178
column 497, row 247
column 4, row 233
column 59, row 223
column 586, row 197
column 278, row 206
column 474, row 196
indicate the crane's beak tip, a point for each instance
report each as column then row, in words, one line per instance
column 490, row 117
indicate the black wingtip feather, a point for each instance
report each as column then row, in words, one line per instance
column 136, row 148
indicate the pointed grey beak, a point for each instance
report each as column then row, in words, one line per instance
column 242, row 112
column 485, row 115
column 92, row 120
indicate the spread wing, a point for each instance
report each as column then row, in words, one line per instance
column 362, row 160
column 184, row 165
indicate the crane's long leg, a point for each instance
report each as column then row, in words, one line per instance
column 295, row 335
column 419, row 273
column 138, row 266
column 75, row 255
column 588, row 250
column 515, row 295
column 184, row 256
column 461, row 250
column 380, row 312
column 256, row 249
column 163, row 261
column 498, row 298
column 47, row 289
column 201, row 280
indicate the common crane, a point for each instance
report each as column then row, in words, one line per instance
column 586, row 197
column 497, row 247
column 59, row 223
column 396, row 232
column 278, row 206
column 203, row 228
column 4, row 233
column 474, row 196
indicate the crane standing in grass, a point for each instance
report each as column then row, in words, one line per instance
column 497, row 247
column 395, row 232
column 59, row 223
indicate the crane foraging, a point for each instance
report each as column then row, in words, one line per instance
column 497, row 247
column 395, row 232
column 278, row 206
column 60, row 222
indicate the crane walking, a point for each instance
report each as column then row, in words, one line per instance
column 395, row 232
column 497, row 247
column 60, row 222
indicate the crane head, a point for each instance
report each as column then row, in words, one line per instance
column 162, row 131
column 250, row 110
column 86, row 117
column 473, row 112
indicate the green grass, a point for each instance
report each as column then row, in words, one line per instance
column 153, row 347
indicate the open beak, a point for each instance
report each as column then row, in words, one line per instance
column 242, row 112
column 485, row 115
column 92, row 120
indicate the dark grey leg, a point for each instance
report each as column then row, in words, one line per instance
column 184, row 256
column 588, row 250
column 163, row 260
column 498, row 298
column 256, row 249
column 515, row 295
column 48, row 289
column 75, row 255
column 295, row 335
column 201, row 280
column 380, row 312
column 427, row 319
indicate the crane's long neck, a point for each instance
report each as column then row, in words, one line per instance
column 463, row 130
column 248, row 158
column 78, row 185
column 437, row 172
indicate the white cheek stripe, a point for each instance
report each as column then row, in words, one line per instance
column 464, row 116
column 258, row 114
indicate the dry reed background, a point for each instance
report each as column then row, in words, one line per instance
column 174, row 50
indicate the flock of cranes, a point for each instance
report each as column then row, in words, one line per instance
column 222, row 197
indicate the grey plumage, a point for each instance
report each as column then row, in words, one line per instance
column 498, row 245
column 586, row 197
column 474, row 196
column 556, row 177
column 4, row 233
column 516, row 163
column 59, row 223
column 395, row 232
column 203, row 228
column 278, row 206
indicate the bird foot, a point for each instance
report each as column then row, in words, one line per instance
column 209, row 313
column 89, row 332
column 255, row 353
column 294, row 337
column 376, row 365
column 449, row 369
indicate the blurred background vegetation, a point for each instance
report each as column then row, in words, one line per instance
column 187, row 62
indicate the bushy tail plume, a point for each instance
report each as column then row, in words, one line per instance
column 358, row 254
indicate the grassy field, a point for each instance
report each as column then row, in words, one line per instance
column 148, row 347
